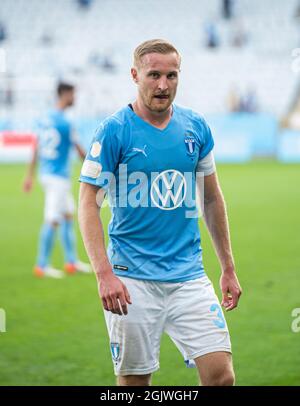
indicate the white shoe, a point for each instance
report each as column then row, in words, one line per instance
column 83, row 267
column 53, row 273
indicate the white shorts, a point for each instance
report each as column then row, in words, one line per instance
column 58, row 197
column 189, row 312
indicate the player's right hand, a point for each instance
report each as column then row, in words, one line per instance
column 27, row 185
column 113, row 293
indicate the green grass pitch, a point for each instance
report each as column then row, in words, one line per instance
column 55, row 328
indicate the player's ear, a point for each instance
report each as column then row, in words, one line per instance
column 134, row 74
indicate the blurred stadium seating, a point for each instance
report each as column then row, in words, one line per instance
column 93, row 47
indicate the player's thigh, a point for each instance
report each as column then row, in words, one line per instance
column 135, row 338
column 59, row 202
column 69, row 206
column 195, row 320
column 54, row 199
column 215, row 369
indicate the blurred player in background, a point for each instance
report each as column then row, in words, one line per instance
column 55, row 141
column 154, row 259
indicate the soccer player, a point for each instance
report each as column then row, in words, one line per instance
column 147, row 158
column 55, row 140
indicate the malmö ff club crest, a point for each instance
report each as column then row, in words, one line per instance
column 115, row 351
column 190, row 143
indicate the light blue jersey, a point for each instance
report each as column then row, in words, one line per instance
column 154, row 233
column 54, row 144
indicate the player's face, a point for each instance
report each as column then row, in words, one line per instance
column 69, row 98
column 157, row 80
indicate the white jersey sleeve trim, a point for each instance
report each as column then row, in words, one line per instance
column 207, row 164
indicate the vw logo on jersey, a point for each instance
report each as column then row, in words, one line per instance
column 168, row 190
column 190, row 143
column 115, row 351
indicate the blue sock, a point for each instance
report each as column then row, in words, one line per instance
column 68, row 240
column 47, row 235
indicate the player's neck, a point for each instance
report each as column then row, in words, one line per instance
column 60, row 105
column 157, row 119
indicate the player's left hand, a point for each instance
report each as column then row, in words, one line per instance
column 231, row 290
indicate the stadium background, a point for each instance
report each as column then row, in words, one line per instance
column 241, row 72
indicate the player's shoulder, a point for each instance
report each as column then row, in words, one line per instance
column 54, row 118
column 115, row 123
column 114, row 128
column 190, row 114
column 44, row 120
column 192, row 118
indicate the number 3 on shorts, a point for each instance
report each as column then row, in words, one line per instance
column 220, row 321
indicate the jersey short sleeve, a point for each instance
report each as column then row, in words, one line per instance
column 103, row 156
column 207, row 142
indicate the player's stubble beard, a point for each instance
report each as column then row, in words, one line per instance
column 150, row 103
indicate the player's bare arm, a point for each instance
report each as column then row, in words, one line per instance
column 111, row 290
column 81, row 152
column 216, row 220
column 28, row 182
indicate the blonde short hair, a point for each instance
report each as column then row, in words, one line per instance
column 159, row 46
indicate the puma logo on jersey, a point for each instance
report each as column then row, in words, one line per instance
column 140, row 150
